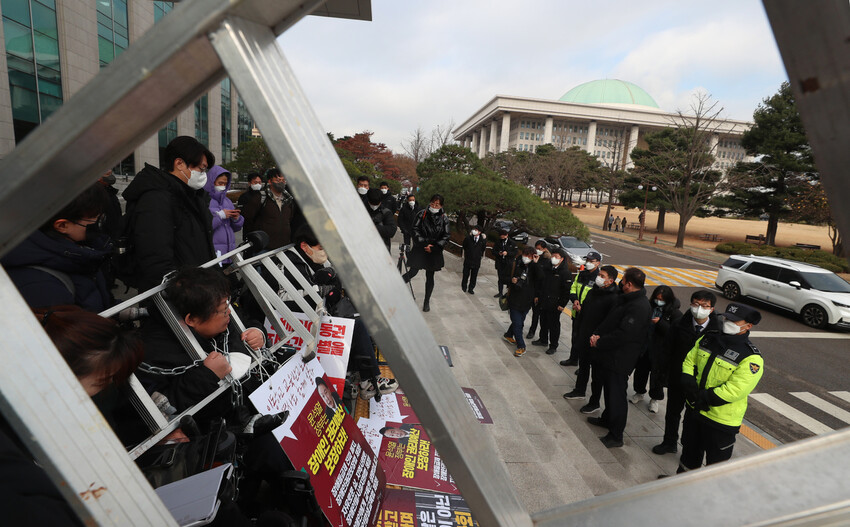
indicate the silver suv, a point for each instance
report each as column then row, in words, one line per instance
column 819, row 296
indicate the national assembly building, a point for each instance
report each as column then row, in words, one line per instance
column 607, row 118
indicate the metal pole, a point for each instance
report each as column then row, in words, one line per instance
column 643, row 216
column 298, row 142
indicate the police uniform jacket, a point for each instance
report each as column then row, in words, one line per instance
column 581, row 286
column 719, row 373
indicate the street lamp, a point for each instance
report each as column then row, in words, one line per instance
column 643, row 214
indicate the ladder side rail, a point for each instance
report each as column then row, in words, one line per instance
column 292, row 293
column 51, row 413
column 262, row 75
column 287, row 264
column 143, row 403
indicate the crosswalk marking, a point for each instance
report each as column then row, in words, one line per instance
column 826, row 406
column 676, row 276
column 791, row 413
column 845, row 396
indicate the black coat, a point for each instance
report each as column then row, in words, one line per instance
column 406, row 217
column 553, row 286
column 670, row 315
column 503, row 263
column 274, row 220
column 429, row 229
column 473, row 251
column 680, row 339
column 79, row 263
column 384, row 221
column 170, row 225
column 521, row 293
column 596, row 306
column 112, row 221
column 624, row 334
column 250, row 202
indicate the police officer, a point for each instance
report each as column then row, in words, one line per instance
column 578, row 291
column 718, row 374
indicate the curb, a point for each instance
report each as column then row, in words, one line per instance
column 657, row 249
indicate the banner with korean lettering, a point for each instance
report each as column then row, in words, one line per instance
column 333, row 345
column 407, row 456
column 321, row 439
column 413, row 508
column 393, row 407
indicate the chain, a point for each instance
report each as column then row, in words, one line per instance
column 169, row 372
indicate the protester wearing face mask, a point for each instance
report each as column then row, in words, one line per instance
column 697, row 321
column 363, row 188
column 520, row 297
column 541, row 259
column 381, row 216
column 718, row 375
column 168, row 222
column 251, row 200
column 61, row 262
column 598, row 302
column 430, row 235
column 276, row 212
column 553, row 295
column 578, row 291
column 387, row 199
column 473, row 251
column 504, row 252
column 226, row 219
column 407, row 212
column 665, row 313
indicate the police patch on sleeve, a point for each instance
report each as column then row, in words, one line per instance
column 754, row 367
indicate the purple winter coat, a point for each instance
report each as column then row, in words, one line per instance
column 224, row 239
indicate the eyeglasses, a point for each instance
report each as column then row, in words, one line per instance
column 226, row 310
column 697, row 304
column 98, row 221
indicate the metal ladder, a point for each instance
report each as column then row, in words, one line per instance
column 164, row 71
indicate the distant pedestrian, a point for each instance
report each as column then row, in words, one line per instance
column 473, row 251
column 665, row 313
column 520, row 298
column 226, row 220
column 430, row 235
column 610, row 221
column 541, row 259
column 617, row 224
column 504, row 251
column 553, row 295
column 623, row 223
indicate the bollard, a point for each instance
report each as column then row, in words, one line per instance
column 656, row 240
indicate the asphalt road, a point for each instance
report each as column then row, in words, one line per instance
column 805, row 389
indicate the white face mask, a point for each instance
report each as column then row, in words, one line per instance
column 220, row 188
column 319, row 256
column 700, row 312
column 590, row 266
column 730, row 328
column 197, row 180
column 556, row 261
column 384, row 190
column 433, row 210
column 362, row 191
column 411, row 203
column 660, row 303
column 526, row 260
column 600, row 282
column 374, row 207
column 474, row 232
column 258, row 186
column 539, row 252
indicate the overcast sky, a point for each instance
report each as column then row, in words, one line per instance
column 425, row 63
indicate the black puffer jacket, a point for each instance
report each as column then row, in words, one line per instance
column 384, row 221
column 80, row 263
column 407, row 217
column 553, row 289
column 624, row 333
column 521, row 293
column 429, row 229
column 596, row 306
column 170, row 225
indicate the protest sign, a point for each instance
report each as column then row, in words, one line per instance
column 333, row 344
column 477, row 406
column 393, row 407
column 413, row 508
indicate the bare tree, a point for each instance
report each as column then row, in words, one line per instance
column 417, row 146
column 441, row 135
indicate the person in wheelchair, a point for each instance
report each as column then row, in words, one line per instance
column 310, row 259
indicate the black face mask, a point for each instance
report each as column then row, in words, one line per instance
column 109, row 180
column 279, row 187
column 94, row 231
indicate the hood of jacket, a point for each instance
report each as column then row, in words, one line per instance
column 212, row 175
column 152, row 178
column 57, row 252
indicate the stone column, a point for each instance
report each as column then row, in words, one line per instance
column 482, row 144
column 591, row 136
column 494, row 128
column 547, row 130
column 633, row 139
column 712, row 146
column 505, row 140
column 476, row 137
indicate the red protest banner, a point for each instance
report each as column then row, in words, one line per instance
column 413, row 508
column 477, row 406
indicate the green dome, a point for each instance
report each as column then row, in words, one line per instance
column 609, row 91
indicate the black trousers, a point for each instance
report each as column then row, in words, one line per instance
column 429, row 281
column 587, row 371
column 643, row 369
column 616, row 404
column 550, row 326
column 703, row 441
column 675, row 405
column 470, row 277
column 535, row 317
column 574, row 353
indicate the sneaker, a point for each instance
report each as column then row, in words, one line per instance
column 653, row 406
column 550, row 351
column 636, row 398
column 471, row 292
column 569, row 362
column 519, row 352
column 497, row 295
column 589, row 408
column 575, row 394
column 367, row 390
column 611, row 442
column 509, row 339
column 530, row 334
column 664, row 448
column 539, row 342
column 597, row 421
column 386, row 385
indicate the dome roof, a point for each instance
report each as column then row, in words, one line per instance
column 609, row 91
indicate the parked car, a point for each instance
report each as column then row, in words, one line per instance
column 513, row 233
column 819, row 296
column 577, row 249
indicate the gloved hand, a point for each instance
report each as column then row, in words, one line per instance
column 324, row 276
column 689, row 387
column 702, row 401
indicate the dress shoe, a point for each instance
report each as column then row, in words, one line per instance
column 597, row 421
column 471, row 292
column 530, row 334
column 426, row 307
column 551, row 351
column 539, row 342
column 575, row 394
column 664, row 448
column 610, row 441
column 497, row 295
column 569, row 362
